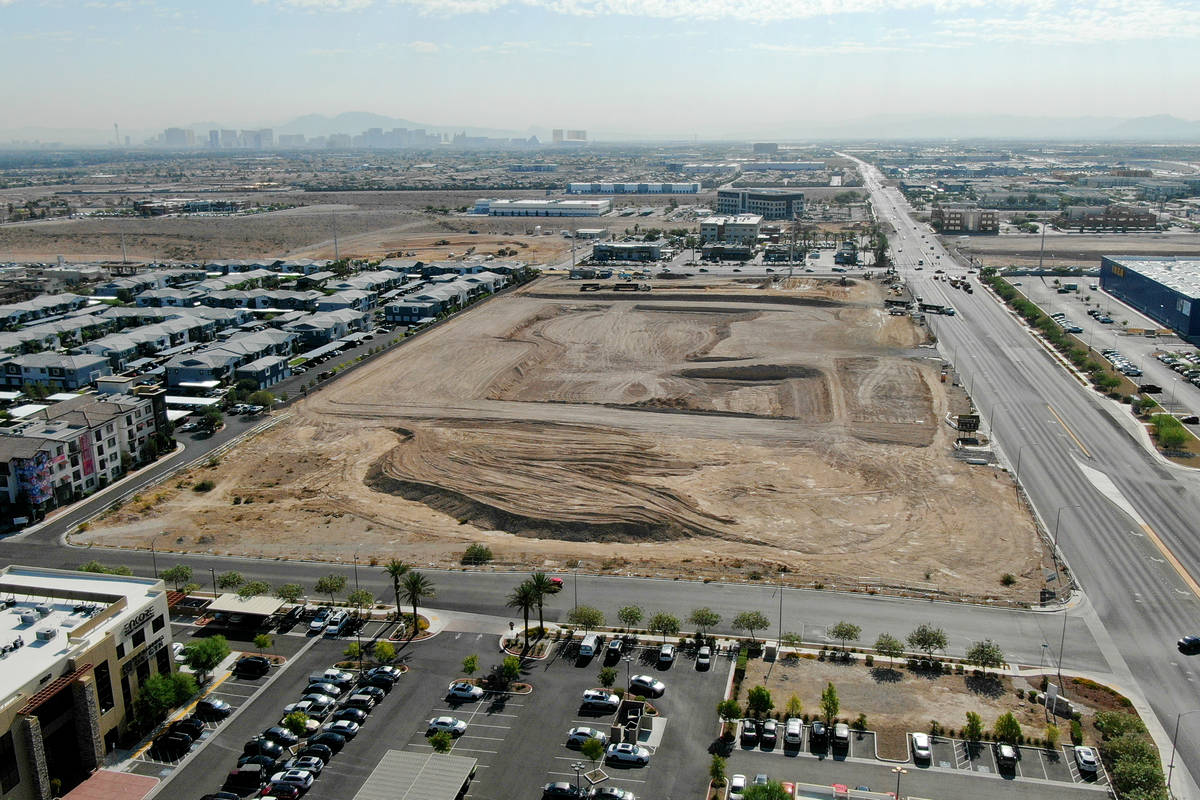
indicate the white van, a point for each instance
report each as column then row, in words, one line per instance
column 588, row 646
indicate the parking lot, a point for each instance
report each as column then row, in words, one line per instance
column 518, row 739
column 956, row 769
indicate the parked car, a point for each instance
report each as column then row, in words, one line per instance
column 561, row 789
column 1190, row 644
column 392, row 672
column 627, row 753
column 363, row 702
column 170, row 746
column 376, row 681
column 737, row 787
column 666, row 654
column 351, row 714
column 297, row 777
column 577, row 736
column 334, row 741
column 327, row 689
column 922, row 751
column 1086, row 759
column 261, row 746
column 1006, row 754
column 316, row 750
column 610, row 793
column 749, row 732
column 600, row 700
column 704, row 657
column 647, row 685
column 310, row 763
column 770, row 733
column 191, row 727
column 342, row 727
column 818, row 736
column 453, row 726
column 278, row 733
column 793, row 731
column 212, row 708
column 614, row 647
column 281, row 791
column 320, row 619
column 841, row 735
column 251, row 667
column 264, row 761
column 337, row 624
column 461, row 690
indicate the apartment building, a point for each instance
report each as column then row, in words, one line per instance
column 766, row 203
column 740, row 229
column 76, row 649
column 964, row 218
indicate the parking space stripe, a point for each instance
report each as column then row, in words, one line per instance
column 488, row 738
column 610, row 777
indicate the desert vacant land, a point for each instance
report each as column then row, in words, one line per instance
column 707, row 428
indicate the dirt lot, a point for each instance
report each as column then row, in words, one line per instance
column 718, row 428
column 897, row 700
column 1072, row 249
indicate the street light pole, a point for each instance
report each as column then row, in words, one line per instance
column 899, row 771
column 1062, row 643
column 578, row 767
column 1057, row 520
column 153, row 554
column 213, row 572
column 1174, row 746
column 356, row 572
column 575, row 584
column 1020, row 452
column 779, row 641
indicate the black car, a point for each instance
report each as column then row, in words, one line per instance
column 266, row 762
column 749, row 733
column 278, row 733
column 321, row 751
column 251, row 667
column 211, row 708
column 1190, row 644
column 374, row 692
column 561, row 789
column 818, row 736
column 377, row 681
column 221, row 796
column 264, row 747
column 333, row 741
column 190, row 727
column 351, row 714
column 170, row 746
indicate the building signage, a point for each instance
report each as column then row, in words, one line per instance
column 138, row 621
column 143, row 656
column 968, row 422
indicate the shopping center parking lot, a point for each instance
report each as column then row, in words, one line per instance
column 518, row 739
column 1037, row 774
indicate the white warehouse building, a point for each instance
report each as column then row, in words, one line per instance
column 633, row 188
column 542, row 208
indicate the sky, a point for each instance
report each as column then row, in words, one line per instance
column 686, row 68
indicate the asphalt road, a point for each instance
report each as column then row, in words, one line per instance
column 1085, row 470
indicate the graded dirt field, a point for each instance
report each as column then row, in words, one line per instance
column 715, row 428
column 1072, row 249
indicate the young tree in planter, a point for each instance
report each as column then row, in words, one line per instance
column 794, row 706
column 542, row 586
column 330, row 584
column 416, row 587
column 253, row 589
column 927, row 638
column 631, row 616
column 607, row 676
column 289, row 592
column 203, row 655
column 890, row 646
column 758, row 701
column 230, row 580
column 586, row 617
column 973, row 731
column 441, row 741
column 510, row 668
column 771, row 790
column 703, row 619
column 383, row 651
column 524, row 598
column 716, row 770
column 751, row 621
column 986, row 654
column 665, row 624
column 396, row 570
column 592, row 750
column 263, row 641
column 729, row 710
column 845, row 632
column 830, row 704
column 178, row 575
column 470, row 665
column 1007, row 729
column 296, row 722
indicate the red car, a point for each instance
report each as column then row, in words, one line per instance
column 281, row 791
column 557, row 583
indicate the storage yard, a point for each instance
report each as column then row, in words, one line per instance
column 716, row 428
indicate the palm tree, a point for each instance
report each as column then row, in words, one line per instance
column 416, row 587
column 396, row 569
column 542, row 586
column 524, row 597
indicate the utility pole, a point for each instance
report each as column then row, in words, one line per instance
column 333, row 220
column 1042, row 252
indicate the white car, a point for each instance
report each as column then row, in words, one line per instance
column 704, row 658
column 297, row 777
column 737, row 787
column 342, row 727
column 577, row 736
column 1086, row 759
column 177, row 649
column 666, row 653
column 647, row 685
column 461, row 690
column 600, row 699
column 793, row 732
column 307, row 763
column 455, row 727
column 628, row 753
column 921, row 749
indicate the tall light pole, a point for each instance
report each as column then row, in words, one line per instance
column 1020, row 452
column 213, row 572
column 578, row 767
column 899, row 771
column 153, row 555
column 1057, row 520
column 628, row 660
column 1062, row 643
column 1174, row 743
column 356, row 571
column 575, row 583
column 779, row 641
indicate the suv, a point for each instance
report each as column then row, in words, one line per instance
column 1006, row 755
column 841, row 735
column 793, row 732
column 251, row 667
column 320, row 620
column 749, row 732
column 337, row 624
column 600, row 700
column 818, row 736
column 704, row 657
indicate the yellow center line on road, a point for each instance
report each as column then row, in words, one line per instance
column 187, row 710
column 1179, row 568
column 1070, row 432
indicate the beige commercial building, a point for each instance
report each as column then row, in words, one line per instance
column 75, row 647
column 739, row 229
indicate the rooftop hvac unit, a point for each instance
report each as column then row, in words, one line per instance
column 43, row 610
column 28, row 617
column 46, row 634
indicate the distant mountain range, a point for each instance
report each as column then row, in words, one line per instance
column 1159, row 128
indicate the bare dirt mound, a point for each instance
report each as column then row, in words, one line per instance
column 544, row 481
column 887, row 400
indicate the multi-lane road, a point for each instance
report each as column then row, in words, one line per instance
column 1126, row 520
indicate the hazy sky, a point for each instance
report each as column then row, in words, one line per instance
column 675, row 67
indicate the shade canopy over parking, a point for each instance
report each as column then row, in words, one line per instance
column 417, row 776
column 231, row 603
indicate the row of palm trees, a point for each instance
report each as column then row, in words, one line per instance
column 415, row 587
column 529, row 593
